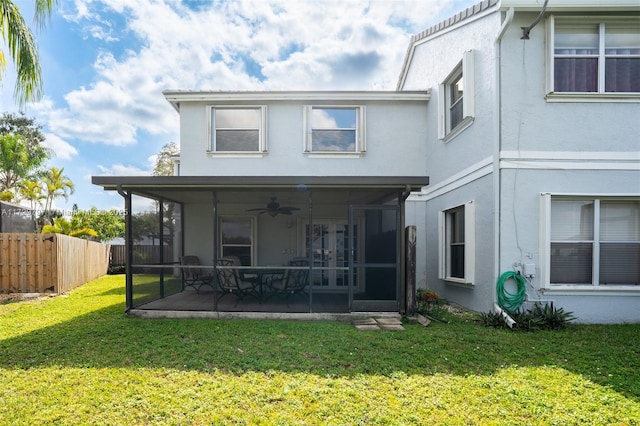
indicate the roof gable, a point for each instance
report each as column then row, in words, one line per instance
column 459, row 17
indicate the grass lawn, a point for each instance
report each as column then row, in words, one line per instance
column 77, row 359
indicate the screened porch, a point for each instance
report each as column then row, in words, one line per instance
column 265, row 244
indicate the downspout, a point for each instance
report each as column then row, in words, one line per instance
column 128, row 240
column 497, row 144
column 527, row 30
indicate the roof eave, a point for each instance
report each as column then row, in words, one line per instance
column 175, row 97
column 571, row 5
column 412, row 183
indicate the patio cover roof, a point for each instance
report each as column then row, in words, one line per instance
column 182, row 188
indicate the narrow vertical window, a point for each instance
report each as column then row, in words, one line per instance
column 456, row 98
column 457, row 244
column 456, row 102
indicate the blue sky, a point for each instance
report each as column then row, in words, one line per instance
column 106, row 62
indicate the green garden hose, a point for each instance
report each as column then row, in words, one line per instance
column 510, row 301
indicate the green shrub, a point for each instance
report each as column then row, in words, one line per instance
column 492, row 319
column 540, row 317
column 553, row 318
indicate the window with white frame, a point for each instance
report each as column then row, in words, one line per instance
column 456, row 97
column 593, row 241
column 238, row 129
column 457, row 244
column 237, row 238
column 591, row 55
column 334, row 129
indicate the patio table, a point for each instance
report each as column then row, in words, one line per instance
column 261, row 273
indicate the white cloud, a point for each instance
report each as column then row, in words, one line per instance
column 121, row 170
column 60, row 148
column 292, row 45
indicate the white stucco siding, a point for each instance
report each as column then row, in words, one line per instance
column 465, row 154
column 520, row 229
column 432, row 62
column 395, row 135
column 532, row 123
column 193, row 136
column 198, row 229
column 520, row 202
column 579, row 147
column 479, row 296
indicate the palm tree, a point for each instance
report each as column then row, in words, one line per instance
column 23, row 50
column 31, row 191
column 56, row 185
column 63, row 226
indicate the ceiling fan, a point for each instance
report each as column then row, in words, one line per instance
column 273, row 209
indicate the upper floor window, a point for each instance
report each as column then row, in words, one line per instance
column 592, row 241
column 238, row 129
column 456, row 98
column 595, row 55
column 338, row 129
column 456, row 101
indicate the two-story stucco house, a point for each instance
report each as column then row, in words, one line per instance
column 533, row 155
column 512, row 143
column 267, row 177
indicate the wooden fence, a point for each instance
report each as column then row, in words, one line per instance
column 142, row 254
column 36, row 263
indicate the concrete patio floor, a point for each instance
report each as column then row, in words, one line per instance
column 204, row 300
column 191, row 304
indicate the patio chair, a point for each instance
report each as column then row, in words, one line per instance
column 194, row 277
column 293, row 281
column 230, row 281
column 244, row 276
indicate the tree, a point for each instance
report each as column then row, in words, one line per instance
column 144, row 225
column 56, row 185
column 64, row 226
column 17, row 161
column 165, row 167
column 22, row 48
column 107, row 224
column 164, row 161
column 21, row 151
column 31, row 190
column 26, row 126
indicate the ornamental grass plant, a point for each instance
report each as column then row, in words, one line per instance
column 77, row 359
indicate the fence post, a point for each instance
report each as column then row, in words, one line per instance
column 410, row 268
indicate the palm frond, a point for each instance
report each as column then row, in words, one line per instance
column 43, row 12
column 23, row 50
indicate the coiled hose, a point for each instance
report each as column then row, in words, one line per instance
column 511, row 301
